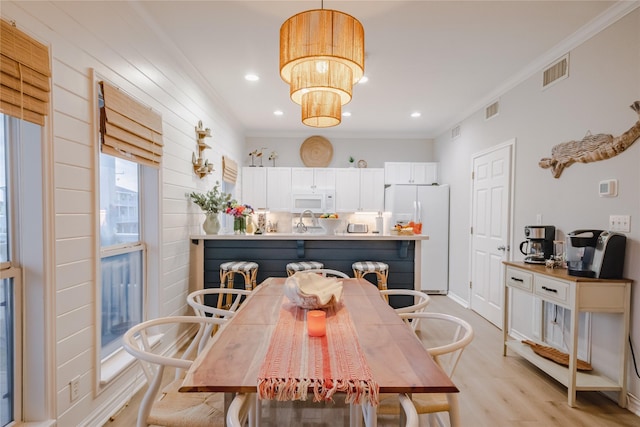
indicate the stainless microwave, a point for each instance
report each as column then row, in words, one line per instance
column 320, row 202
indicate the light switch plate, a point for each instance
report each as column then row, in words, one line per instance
column 620, row 223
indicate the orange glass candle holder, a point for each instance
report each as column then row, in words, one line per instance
column 316, row 323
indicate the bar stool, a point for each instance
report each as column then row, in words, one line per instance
column 380, row 269
column 292, row 267
column 248, row 270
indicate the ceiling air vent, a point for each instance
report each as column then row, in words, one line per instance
column 455, row 132
column 556, row 72
column 491, row 110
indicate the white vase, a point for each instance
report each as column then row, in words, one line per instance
column 211, row 224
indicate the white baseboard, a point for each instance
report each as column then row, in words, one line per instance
column 459, row 300
column 102, row 414
column 633, row 404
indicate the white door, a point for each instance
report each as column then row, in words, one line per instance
column 490, row 219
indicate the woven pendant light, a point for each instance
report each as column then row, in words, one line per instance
column 321, row 75
column 321, row 109
column 321, row 51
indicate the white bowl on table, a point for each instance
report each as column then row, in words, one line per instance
column 330, row 224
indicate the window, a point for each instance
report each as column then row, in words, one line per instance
column 10, row 290
column 130, row 156
column 122, row 251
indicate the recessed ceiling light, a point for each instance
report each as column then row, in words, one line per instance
column 415, row 114
column 346, row 114
column 252, row 77
column 278, row 113
column 364, row 79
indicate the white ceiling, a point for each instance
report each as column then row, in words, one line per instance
column 445, row 59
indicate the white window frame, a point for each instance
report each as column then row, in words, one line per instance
column 116, row 364
column 31, row 204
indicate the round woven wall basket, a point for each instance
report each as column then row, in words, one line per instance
column 316, row 151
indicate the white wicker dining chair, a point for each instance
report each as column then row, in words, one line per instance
column 410, row 411
column 196, row 300
column 445, row 337
column 169, row 407
column 242, row 410
column 327, row 272
column 420, row 301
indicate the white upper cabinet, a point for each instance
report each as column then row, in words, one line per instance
column 254, row 187
column 424, row 173
column 359, row 190
column 372, row 189
column 347, row 190
column 312, row 180
column 279, row 189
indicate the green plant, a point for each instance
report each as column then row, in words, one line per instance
column 351, row 159
column 213, row 201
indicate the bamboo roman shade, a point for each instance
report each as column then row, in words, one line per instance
column 129, row 130
column 24, row 75
column 229, row 170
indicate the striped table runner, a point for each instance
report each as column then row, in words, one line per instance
column 297, row 364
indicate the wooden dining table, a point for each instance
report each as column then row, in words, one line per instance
column 398, row 361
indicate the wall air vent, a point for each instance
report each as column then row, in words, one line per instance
column 556, row 72
column 455, row 132
column 491, row 110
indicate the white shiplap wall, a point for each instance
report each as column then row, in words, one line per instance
column 80, row 36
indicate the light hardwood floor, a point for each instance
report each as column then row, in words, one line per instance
column 495, row 391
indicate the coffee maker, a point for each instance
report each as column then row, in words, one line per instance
column 596, row 253
column 539, row 243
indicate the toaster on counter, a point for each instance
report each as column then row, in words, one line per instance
column 357, row 228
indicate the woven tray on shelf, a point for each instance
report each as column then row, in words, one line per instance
column 556, row 355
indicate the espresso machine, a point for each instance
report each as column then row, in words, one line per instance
column 596, row 253
column 539, row 244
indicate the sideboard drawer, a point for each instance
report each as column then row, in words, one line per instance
column 551, row 289
column 519, row 279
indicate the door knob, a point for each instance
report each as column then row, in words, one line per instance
column 503, row 248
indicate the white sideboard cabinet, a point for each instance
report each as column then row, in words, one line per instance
column 578, row 294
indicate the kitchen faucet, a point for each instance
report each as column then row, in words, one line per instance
column 314, row 221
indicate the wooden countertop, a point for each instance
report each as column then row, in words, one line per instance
column 557, row 273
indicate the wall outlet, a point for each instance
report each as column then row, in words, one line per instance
column 74, row 387
column 621, row 223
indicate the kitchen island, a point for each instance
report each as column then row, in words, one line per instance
column 273, row 251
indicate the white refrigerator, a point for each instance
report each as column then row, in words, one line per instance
column 431, row 204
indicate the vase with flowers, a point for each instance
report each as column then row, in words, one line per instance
column 212, row 203
column 239, row 213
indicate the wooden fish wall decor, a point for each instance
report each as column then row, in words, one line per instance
column 591, row 148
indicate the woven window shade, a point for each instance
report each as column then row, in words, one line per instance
column 229, row 170
column 129, row 130
column 24, row 75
